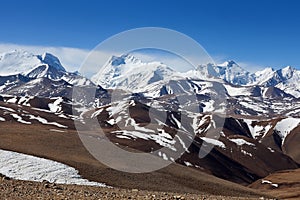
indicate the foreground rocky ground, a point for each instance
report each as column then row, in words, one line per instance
column 283, row 184
column 15, row 189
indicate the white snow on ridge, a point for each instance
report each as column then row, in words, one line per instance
column 253, row 106
column 25, row 167
column 55, row 106
column 45, row 121
column 19, row 119
column 257, row 130
column 12, row 100
column 240, row 142
column 285, row 126
column 7, row 109
column 25, row 101
column 161, row 138
column 214, row 142
column 237, row 91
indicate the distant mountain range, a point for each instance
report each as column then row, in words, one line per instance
column 259, row 126
column 128, row 72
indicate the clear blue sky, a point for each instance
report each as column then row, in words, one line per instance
column 262, row 32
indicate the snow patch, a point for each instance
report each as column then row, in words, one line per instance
column 56, row 130
column 44, row 121
column 19, row 119
column 188, row 164
column 285, row 126
column 272, row 150
column 269, row 182
column 237, row 91
column 256, row 130
column 55, row 106
column 246, row 153
column 7, row 109
column 30, row 168
column 159, row 139
column 214, row 142
column 240, row 142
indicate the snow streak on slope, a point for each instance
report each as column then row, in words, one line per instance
column 241, row 142
column 214, row 142
column 25, row 167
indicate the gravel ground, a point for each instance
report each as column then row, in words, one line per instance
column 15, row 189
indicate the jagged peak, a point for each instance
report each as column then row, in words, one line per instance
column 229, row 63
column 51, row 60
column 265, row 70
column 288, row 68
column 123, row 59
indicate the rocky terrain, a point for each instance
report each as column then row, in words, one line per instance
column 12, row 189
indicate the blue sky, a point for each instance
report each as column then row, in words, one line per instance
column 253, row 33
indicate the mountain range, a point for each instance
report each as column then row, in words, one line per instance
column 129, row 72
column 257, row 113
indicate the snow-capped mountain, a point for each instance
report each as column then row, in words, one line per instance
column 17, row 62
column 23, row 62
column 33, row 66
column 286, row 79
column 271, row 77
column 228, row 71
column 130, row 73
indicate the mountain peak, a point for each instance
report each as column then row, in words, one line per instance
column 51, row 60
column 123, row 59
column 131, row 73
column 229, row 64
column 288, row 69
column 287, row 72
column 24, row 62
column 266, row 71
column 17, row 61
